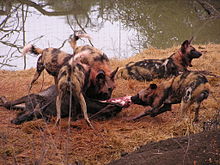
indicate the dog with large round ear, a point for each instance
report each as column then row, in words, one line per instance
column 185, row 45
column 102, row 86
column 189, row 52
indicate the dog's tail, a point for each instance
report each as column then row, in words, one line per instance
column 77, row 35
column 31, row 49
column 84, row 35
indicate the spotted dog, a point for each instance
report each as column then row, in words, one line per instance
column 73, row 80
column 187, row 88
column 149, row 69
column 101, row 77
column 51, row 59
column 43, row 105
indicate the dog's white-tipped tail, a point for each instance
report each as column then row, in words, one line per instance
column 84, row 35
column 27, row 49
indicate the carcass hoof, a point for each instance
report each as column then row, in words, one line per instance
column 15, row 121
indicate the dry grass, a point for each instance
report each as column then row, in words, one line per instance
column 42, row 143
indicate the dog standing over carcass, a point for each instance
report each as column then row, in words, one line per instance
column 187, row 88
column 73, row 80
column 149, row 69
column 52, row 59
column 99, row 82
column 101, row 76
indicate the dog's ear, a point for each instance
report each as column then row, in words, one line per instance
column 112, row 75
column 190, row 41
column 184, row 45
column 153, row 86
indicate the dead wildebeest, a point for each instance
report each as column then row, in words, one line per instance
column 43, row 105
column 149, row 69
column 187, row 88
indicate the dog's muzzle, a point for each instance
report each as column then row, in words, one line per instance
column 104, row 96
column 136, row 100
column 195, row 54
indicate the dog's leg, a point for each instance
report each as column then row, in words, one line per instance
column 197, row 107
column 157, row 111
column 142, row 114
column 203, row 95
column 184, row 107
column 154, row 111
column 56, row 81
column 58, row 107
column 40, row 68
column 82, row 103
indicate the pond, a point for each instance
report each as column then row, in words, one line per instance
column 121, row 28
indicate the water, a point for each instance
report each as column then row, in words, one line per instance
column 120, row 28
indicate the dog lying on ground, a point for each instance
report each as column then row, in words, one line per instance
column 149, row 69
column 43, row 105
column 187, row 88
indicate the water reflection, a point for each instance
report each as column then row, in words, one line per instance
column 119, row 27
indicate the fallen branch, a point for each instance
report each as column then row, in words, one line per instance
column 210, row 9
column 7, row 65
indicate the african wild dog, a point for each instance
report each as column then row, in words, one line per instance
column 51, row 59
column 73, row 80
column 43, row 105
column 102, row 79
column 187, row 88
column 149, row 69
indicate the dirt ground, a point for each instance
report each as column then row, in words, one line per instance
column 198, row 149
column 38, row 142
